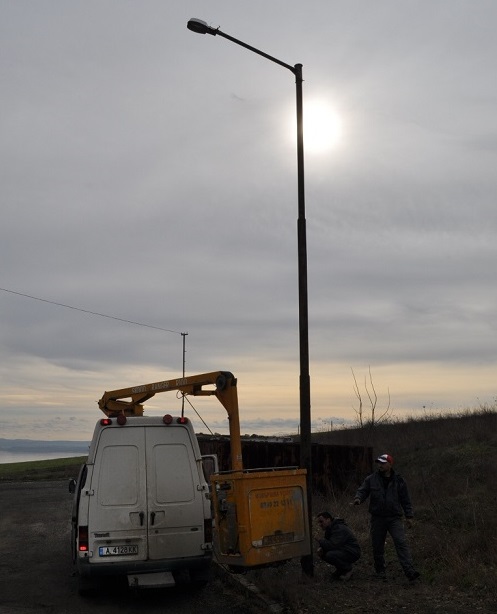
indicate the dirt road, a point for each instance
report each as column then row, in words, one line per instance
column 36, row 571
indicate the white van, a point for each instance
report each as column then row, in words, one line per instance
column 141, row 504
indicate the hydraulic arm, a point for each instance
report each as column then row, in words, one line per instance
column 129, row 401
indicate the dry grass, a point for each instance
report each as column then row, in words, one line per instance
column 450, row 465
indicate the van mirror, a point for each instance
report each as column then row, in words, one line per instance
column 210, row 465
column 72, row 486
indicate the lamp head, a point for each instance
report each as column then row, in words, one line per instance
column 200, row 27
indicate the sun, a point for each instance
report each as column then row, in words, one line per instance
column 322, row 127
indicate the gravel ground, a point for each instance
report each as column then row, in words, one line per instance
column 37, row 575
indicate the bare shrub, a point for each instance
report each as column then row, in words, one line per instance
column 369, row 417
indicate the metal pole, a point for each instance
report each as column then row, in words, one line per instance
column 184, row 352
column 304, row 383
column 184, row 363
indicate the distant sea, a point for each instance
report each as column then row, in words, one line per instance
column 21, row 450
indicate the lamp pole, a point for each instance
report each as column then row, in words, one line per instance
column 200, row 27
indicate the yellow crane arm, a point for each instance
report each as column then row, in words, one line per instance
column 113, row 404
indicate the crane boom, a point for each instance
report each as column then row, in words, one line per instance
column 113, row 402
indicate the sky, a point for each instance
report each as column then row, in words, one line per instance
column 148, row 188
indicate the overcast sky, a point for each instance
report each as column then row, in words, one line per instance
column 149, row 174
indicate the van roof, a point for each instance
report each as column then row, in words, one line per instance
column 167, row 421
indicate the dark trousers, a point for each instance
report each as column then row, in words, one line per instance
column 341, row 559
column 380, row 526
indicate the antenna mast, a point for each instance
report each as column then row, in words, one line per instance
column 184, row 363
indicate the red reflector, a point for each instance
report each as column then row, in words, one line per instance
column 105, row 421
column 121, row 419
column 83, row 539
column 167, row 419
column 182, row 420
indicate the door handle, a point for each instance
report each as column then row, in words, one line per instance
column 152, row 518
column 142, row 518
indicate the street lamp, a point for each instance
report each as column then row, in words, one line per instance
column 200, row 27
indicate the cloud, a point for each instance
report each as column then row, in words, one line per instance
column 149, row 174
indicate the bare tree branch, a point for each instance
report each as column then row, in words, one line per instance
column 386, row 413
column 359, row 412
column 373, row 397
column 373, row 402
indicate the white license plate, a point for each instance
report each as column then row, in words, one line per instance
column 117, row 550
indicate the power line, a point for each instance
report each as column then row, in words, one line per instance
column 103, row 315
column 93, row 313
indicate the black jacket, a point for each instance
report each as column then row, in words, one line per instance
column 394, row 500
column 338, row 536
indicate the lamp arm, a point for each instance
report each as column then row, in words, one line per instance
column 254, row 49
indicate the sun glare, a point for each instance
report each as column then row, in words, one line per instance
column 322, row 127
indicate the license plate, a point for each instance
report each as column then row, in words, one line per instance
column 117, row 550
column 278, row 538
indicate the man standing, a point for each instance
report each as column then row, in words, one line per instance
column 389, row 501
column 339, row 546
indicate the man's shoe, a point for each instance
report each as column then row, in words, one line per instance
column 347, row 575
column 380, row 575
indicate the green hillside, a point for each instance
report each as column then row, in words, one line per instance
column 53, row 469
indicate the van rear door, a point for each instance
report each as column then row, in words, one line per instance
column 117, row 506
column 146, row 497
column 175, row 495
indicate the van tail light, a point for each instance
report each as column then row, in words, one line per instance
column 83, row 539
column 208, row 530
column 105, row 422
column 182, row 420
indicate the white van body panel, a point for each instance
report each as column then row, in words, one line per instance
column 144, row 499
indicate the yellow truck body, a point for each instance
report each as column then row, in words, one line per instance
column 260, row 516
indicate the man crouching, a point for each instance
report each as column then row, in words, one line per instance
column 339, row 547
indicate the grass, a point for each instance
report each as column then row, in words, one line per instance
column 53, row 469
column 449, row 463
